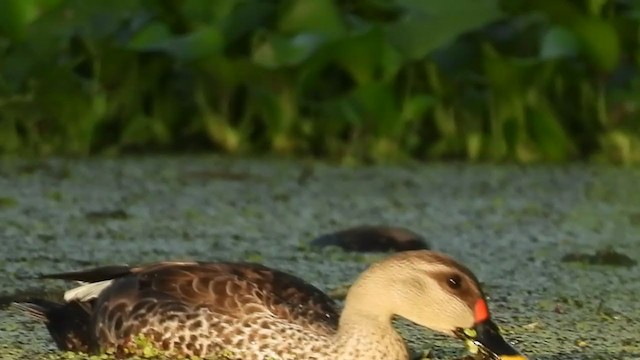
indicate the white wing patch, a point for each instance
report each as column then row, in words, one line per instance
column 86, row 292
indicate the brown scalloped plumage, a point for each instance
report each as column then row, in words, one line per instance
column 178, row 305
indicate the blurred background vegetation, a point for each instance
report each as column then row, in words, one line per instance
column 349, row 80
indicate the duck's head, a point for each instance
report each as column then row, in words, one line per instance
column 435, row 291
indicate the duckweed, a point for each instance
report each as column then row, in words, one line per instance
column 517, row 257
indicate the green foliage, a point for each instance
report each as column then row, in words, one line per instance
column 354, row 80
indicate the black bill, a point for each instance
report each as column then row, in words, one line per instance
column 490, row 343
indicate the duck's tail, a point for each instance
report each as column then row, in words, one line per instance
column 67, row 323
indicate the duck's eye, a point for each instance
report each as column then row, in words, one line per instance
column 454, row 281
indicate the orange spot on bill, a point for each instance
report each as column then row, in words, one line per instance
column 481, row 311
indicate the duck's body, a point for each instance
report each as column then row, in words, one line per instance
column 195, row 309
column 251, row 312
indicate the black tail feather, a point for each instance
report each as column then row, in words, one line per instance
column 92, row 275
column 67, row 323
column 33, row 310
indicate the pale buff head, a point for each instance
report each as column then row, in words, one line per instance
column 425, row 287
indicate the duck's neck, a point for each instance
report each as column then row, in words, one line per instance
column 365, row 325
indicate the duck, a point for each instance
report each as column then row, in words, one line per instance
column 248, row 311
column 372, row 238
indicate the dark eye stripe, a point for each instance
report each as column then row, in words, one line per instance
column 468, row 289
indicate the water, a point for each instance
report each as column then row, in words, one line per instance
column 512, row 225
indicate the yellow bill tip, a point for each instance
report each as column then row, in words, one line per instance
column 513, row 357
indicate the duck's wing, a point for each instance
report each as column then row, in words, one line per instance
column 236, row 289
column 129, row 298
column 214, row 284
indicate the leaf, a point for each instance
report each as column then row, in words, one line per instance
column 317, row 16
column 279, row 51
column 474, row 145
column 150, row 36
column 427, row 25
column 415, row 106
column 559, row 42
column 597, row 36
column 512, row 134
column 199, row 44
column 304, row 26
column 596, row 6
column 548, row 135
column 621, row 146
column 502, row 73
column 14, row 17
column 206, row 11
column 367, row 56
column 9, row 137
column 599, row 40
column 634, row 11
column 378, row 109
column 100, row 19
column 247, row 17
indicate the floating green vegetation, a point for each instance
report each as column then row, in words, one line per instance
column 8, row 202
column 143, row 347
column 608, row 257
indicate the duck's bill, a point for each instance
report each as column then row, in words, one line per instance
column 485, row 338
